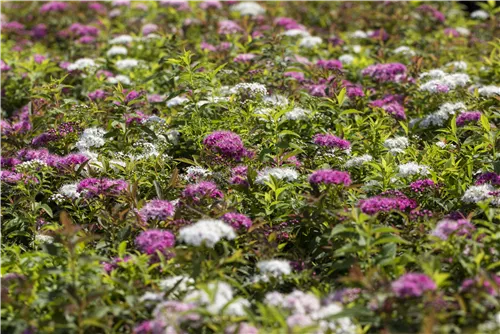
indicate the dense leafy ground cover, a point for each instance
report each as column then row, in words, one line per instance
column 209, row 167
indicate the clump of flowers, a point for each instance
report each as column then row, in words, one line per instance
column 239, row 176
column 420, row 186
column 328, row 176
column 152, row 241
column 237, row 220
column 386, row 203
column 331, row 141
column 447, row 227
column 93, row 187
column 157, row 210
column 206, row 232
column 413, row 285
column 279, row 173
column 392, row 72
column 202, row 190
column 468, row 117
column 226, row 144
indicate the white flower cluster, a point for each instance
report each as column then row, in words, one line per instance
column 489, row 91
column 181, row 283
column 69, row 190
column 195, row 173
column 175, row 101
column 443, row 81
column 358, row 161
column 206, row 231
column 122, row 39
column 248, row 8
column 218, row 297
column 412, row 168
column 405, row 51
column 83, row 64
column 126, row 64
column 91, row 137
column 476, row 194
column 480, row 15
column 44, row 238
column 276, row 100
column 117, row 51
column 346, row 59
column 123, row 79
column 306, row 310
column 310, row 42
column 297, row 114
column 359, row 34
column 397, row 144
column 285, row 173
column 31, row 166
column 458, row 65
column 249, row 90
column 442, row 114
column 491, row 326
column 296, row 32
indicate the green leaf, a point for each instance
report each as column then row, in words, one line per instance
column 485, row 123
column 341, row 97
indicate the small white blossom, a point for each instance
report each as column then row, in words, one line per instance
column 358, row 161
column 480, row 15
column 194, row 173
column 442, row 114
column 405, row 51
column 178, row 100
column 458, row 65
column 310, row 42
column 69, row 190
column 249, row 90
column 396, row 144
column 446, row 82
column 117, row 50
column 91, row 137
column 358, row 34
column 122, row 39
column 412, row 168
column 248, row 8
column 207, row 231
column 83, row 64
column 489, row 91
column 44, row 238
column 123, row 79
column 276, row 100
column 342, row 325
column 296, row 32
column 297, row 114
column 181, row 283
column 475, row 194
column 273, row 268
column 346, row 59
column 286, row 173
column 216, row 297
column 463, row 31
column 151, row 296
column 126, row 64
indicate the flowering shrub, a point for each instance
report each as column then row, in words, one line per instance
column 250, row 167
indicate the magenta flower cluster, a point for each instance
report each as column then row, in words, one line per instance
column 383, row 203
column 93, row 187
column 468, row 117
column 60, row 132
column 413, row 285
column 489, row 177
column 392, row 104
column 329, row 64
column 490, row 286
column 391, row 72
column 239, row 175
column 420, row 186
column 237, row 220
column 158, row 210
column 328, row 140
column 61, row 163
column 151, row 241
column 447, row 227
column 227, row 144
column 201, row 190
column 329, row 176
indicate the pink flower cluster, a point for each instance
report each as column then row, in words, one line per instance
column 51, row 135
column 227, row 144
column 328, row 140
column 157, row 209
column 204, row 189
column 329, row 176
column 420, row 186
column 489, row 177
column 62, row 163
column 151, row 241
column 93, row 187
column 386, row 203
column 239, row 175
column 413, row 285
column 391, row 72
column 490, row 286
column 468, row 117
column 392, row 104
column 447, row 227
column 237, row 220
